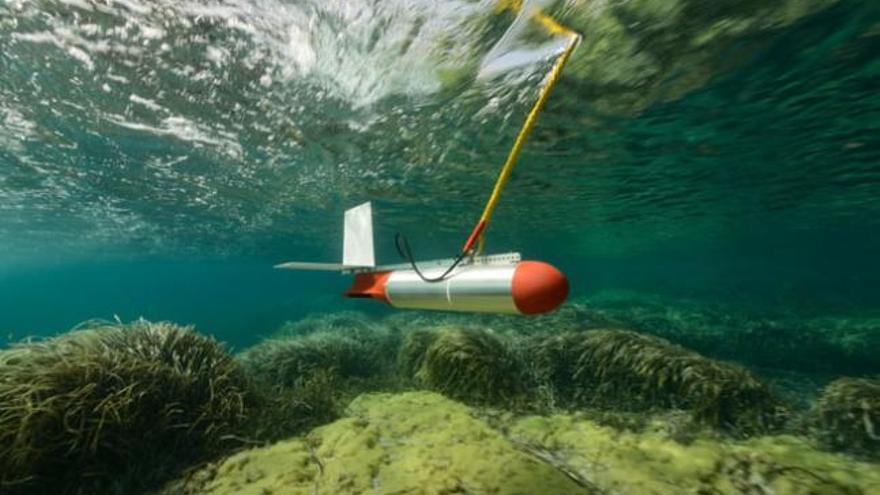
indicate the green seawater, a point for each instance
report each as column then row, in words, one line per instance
column 704, row 173
column 158, row 159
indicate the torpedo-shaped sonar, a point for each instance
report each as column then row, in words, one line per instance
column 500, row 283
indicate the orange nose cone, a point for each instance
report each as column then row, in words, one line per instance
column 538, row 287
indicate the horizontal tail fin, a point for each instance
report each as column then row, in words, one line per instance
column 303, row 265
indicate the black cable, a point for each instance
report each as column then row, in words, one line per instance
column 405, row 252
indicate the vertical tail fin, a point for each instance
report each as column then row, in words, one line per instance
column 357, row 247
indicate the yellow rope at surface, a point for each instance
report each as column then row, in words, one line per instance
column 554, row 27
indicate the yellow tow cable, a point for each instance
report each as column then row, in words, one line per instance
column 478, row 234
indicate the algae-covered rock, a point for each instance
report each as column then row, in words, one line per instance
column 648, row 462
column 627, row 369
column 424, row 443
column 413, row 443
column 116, row 406
column 471, row 365
column 847, row 416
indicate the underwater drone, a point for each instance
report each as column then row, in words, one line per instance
column 500, row 283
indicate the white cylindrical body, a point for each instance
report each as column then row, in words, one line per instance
column 485, row 289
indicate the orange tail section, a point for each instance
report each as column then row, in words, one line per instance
column 369, row 285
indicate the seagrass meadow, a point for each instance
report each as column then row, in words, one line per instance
column 705, row 174
column 571, row 402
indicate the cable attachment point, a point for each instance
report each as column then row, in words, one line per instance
column 405, row 252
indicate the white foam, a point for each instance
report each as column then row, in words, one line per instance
column 15, row 129
column 152, row 105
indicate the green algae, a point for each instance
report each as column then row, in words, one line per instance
column 422, row 442
column 349, row 347
column 566, row 318
column 288, row 362
column 312, row 368
column 847, row 416
column 552, row 363
column 286, row 411
column 471, row 365
column 412, row 350
column 626, row 369
column 649, row 462
column 352, row 324
column 620, row 371
column 655, row 400
column 418, row 442
column 765, row 337
column 552, row 367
